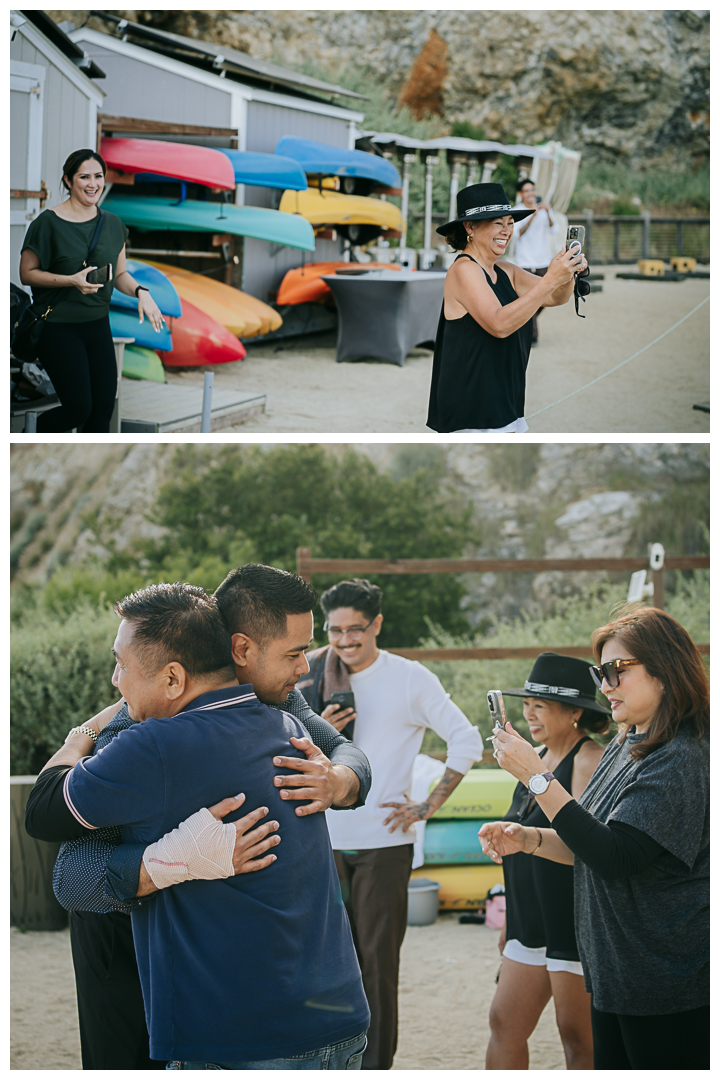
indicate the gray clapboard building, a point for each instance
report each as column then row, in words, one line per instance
column 156, row 76
column 54, row 102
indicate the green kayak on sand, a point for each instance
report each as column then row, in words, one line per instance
column 275, row 226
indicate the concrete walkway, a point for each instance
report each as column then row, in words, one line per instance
column 655, row 393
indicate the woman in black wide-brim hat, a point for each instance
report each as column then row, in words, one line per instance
column 484, row 336
column 538, row 946
column 638, row 840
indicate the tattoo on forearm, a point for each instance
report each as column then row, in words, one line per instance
column 447, row 784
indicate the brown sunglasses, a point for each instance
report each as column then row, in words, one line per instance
column 610, row 672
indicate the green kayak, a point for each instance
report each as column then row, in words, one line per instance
column 275, row 226
column 141, row 363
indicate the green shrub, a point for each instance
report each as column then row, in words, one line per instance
column 60, row 672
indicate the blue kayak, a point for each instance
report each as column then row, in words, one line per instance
column 317, row 158
column 149, row 214
column 262, row 170
column 127, row 324
column 161, row 288
column 453, row 842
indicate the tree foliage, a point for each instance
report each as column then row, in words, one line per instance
column 233, row 505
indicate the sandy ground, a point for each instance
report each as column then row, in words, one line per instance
column 447, row 978
column 307, row 391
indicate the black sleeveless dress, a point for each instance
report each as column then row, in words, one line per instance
column 478, row 381
column 539, row 893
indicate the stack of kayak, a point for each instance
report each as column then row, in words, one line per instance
column 453, row 855
column 350, row 210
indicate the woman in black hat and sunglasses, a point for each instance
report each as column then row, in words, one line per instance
column 538, row 946
column 485, row 331
column 638, row 838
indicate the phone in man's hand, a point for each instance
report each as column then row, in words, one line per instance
column 346, row 700
column 100, row 276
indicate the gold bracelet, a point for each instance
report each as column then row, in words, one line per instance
column 539, row 843
column 84, row 730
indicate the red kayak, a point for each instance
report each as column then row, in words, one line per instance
column 198, row 340
column 198, row 164
column 304, row 284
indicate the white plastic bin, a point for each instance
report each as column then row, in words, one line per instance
column 423, row 901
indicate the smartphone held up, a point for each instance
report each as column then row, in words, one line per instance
column 574, row 240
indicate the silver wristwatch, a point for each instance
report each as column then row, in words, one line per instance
column 539, row 783
column 84, row 730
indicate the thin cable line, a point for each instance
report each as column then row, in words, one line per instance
column 622, row 363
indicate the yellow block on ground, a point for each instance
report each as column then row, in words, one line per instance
column 462, row 887
column 482, row 793
column 683, row 264
column 651, row 267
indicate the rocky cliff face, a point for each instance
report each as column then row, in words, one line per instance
column 624, row 86
column 566, row 500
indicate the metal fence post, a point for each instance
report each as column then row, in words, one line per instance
column 589, row 215
column 645, row 234
column 207, row 400
column 680, row 238
column 616, row 241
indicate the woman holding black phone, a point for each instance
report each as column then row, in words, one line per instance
column 66, row 249
column 638, row 837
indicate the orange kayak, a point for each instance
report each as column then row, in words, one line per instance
column 243, row 315
column 304, row 284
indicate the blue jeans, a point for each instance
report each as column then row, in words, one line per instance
column 343, row 1055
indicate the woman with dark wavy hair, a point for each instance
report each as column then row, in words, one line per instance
column 638, row 837
column 76, row 348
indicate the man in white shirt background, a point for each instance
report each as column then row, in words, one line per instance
column 533, row 248
column 395, row 701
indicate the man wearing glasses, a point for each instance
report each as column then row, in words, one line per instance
column 389, row 702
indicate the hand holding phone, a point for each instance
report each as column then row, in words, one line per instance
column 100, row 276
column 340, row 712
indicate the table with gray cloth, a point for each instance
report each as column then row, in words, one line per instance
column 383, row 314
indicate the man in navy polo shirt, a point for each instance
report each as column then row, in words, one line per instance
column 256, row 971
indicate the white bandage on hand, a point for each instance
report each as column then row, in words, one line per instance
column 201, row 847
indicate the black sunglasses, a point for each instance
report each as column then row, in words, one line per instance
column 610, row 672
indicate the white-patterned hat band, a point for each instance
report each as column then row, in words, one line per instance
column 542, row 688
column 488, row 209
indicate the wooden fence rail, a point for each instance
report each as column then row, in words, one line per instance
column 306, row 566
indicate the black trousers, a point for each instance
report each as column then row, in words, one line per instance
column 374, row 886
column 80, row 360
column 677, row 1041
column 113, row 1031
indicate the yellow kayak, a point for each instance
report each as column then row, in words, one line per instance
column 243, row 315
column 462, row 887
column 332, row 208
column 482, row 793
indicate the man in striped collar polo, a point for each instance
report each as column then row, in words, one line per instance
column 249, row 971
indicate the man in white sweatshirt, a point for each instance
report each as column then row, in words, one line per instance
column 395, row 701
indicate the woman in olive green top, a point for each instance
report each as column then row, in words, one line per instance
column 76, row 348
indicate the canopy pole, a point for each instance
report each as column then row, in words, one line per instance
column 408, row 160
column 454, row 185
column 428, row 251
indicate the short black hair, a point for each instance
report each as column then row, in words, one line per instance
column 72, row 166
column 521, row 183
column 180, row 623
column 358, row 593
column 256, row 600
